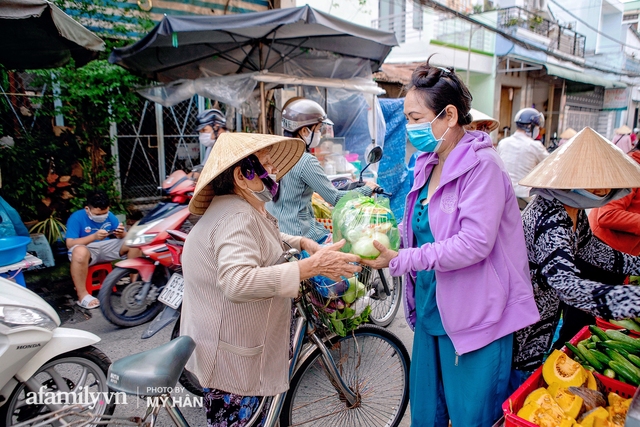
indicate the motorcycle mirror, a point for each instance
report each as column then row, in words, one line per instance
column 374, row 155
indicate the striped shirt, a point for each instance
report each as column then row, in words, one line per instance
column 294, row 210
column 237, row 303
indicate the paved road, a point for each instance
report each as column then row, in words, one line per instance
column 117, row 343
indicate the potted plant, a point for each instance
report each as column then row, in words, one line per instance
column 54, row 230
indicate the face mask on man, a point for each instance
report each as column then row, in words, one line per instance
column 206, row 139
column 312, row 139
column 97, row 218
column 422, row 138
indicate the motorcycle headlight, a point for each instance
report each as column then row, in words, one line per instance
column 16, row 316
column 138, row 235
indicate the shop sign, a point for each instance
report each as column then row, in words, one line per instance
column 188, row 150
column 616, row 99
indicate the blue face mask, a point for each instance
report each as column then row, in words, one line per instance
column 589, row 195
column 422, row 138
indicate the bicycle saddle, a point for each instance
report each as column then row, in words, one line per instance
column 152, row 372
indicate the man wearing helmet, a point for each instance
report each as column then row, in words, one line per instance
column 521, row 152
column 307, row 120
column 211, row 123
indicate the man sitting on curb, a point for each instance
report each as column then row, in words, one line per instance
column 94, row 235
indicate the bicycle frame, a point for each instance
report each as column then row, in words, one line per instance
column 305, row 328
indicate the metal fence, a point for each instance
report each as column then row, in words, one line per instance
column 422, row 24
column 160, row 141
column 26, row 107
column 559, row 37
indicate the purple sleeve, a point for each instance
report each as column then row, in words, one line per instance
column 481, row 204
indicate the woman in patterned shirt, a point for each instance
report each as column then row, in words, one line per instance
column 564, row 256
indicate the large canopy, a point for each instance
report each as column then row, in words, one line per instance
column 37, row 34
column 190, row 47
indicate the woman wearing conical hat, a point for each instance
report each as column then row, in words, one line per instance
column 623, row 138
column 618, row 223
column 586, row 172
column 566, row 135
column 237, row 296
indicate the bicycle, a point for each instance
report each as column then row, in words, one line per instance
column 334, row 380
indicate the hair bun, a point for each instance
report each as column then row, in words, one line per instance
column 426, row 76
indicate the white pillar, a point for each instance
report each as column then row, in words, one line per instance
column 160, row 133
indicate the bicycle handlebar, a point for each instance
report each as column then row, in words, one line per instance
column 358, row 184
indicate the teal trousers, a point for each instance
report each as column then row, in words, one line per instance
column 468, row 390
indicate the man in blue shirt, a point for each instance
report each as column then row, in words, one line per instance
column 94, row 235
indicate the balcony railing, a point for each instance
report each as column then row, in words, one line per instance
column 428, row 25
column 560, row 38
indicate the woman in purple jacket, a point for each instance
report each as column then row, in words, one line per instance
column 464, row 260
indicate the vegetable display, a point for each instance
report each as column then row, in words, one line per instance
column 612, row 353
column 361, row 220
column 631, row 324
column 572, row 398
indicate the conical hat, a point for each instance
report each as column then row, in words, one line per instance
column 587, row 161
column 568, row 133
column 623, row 130
column 230, row 148
column 482, row 117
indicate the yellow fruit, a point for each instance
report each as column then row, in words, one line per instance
column 570, row 403
column 590, row 382
column 618, row 408
column 599, row 414
column 543, row 399
column 533, row 413
column 562, row 369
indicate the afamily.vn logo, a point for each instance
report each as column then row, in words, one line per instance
column 81, row 396
column 155, row 396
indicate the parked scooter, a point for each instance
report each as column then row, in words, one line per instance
column 171, row 297
column 43, row 366
column 129, row 294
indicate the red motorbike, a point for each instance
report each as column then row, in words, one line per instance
column 171, row 297
column 129, row 294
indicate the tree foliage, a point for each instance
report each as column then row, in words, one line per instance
column 43, row 172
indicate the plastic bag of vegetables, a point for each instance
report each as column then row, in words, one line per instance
column 360, row 220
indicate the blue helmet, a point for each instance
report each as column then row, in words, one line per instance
column 527, row 118
column 211, row 118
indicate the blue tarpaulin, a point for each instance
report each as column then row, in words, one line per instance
column 393, row 172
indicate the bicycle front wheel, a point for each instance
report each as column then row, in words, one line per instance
column 373, row 362
column 384, row 307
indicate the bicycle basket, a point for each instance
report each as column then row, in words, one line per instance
column 338, row 306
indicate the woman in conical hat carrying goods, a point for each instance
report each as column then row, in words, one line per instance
column 237, row 297
column 586, row 172
column 623, row 138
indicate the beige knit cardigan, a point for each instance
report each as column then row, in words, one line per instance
column 237, row 303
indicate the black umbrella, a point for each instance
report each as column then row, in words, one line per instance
column 37, row 34
column 190, row 47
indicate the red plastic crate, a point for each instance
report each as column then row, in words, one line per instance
column 603, row 324
column 514, row 403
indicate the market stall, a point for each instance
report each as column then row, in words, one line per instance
column 253, row 63
column 590, row 382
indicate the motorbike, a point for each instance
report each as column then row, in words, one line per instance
column 171, row 297
column 129, row 294
column 388, row 289
column 44, row 367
